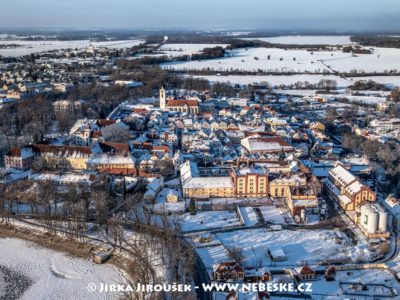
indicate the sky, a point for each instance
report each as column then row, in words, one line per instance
column 338, row 15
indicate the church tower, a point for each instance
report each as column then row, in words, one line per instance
column 163, row 98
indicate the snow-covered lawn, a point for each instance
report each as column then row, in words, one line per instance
column 249, row 216
column 54, row 274
column 296, row 60
column 209, row 220
column 307, row 39
column 299, row 246
column 28, row 47
column 272, row 214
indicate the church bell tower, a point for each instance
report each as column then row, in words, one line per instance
column 163, row 98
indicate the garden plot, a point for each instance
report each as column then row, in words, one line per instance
column 299, row 246
column 209, row 220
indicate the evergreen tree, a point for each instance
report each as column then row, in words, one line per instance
column 192, row 207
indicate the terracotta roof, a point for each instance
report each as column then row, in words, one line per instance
column 119, row 148
column 96, row 134
column 182, row 103
column 63, row 150
column 228, row 267
column 161, row 148
column 15, row 151
column 306, row 270
column 143, row 146
column 103, row 122
column 117, row 171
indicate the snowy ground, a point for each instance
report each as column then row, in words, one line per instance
column 296, row 60
column 375, row 276
column 272, row 214
column 189, row 48
column 299, row 246
column 277, row 80
column 55, row 274
column 174, row 50
column 209, row 220
column 307, row 39
column 249, row 216
column 29, row 47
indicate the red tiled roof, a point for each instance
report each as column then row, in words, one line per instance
column 63, row 150
column 182, row 103
column 228, row 267
column 15, row 151
column 161, row 148
column 103, row 122
column 120, row 148
column 118, row 171
column 306, row 270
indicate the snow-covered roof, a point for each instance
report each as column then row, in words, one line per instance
column 104, row 159
column 209, row 182
column 341, row 175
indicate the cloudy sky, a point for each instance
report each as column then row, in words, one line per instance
column 204, row 14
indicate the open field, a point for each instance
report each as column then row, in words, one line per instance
column 277, row 80
column 307, row 39
column 297, row 60
column 28, row 47
column 209, row 220
column 299, row 246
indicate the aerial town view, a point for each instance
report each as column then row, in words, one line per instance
column 212, row 150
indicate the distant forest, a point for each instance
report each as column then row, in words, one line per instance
column 377, row 41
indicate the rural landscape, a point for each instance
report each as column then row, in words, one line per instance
column 199, row 163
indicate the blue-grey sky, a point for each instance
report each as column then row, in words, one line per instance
column 204, row 14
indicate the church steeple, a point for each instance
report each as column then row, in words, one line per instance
column 163, row 98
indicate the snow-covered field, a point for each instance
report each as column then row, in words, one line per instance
column 307, row 39
column 374, row 276
column 189, row 48
column 299, row 246
column 277, row 80
column 249, row 216
column 53, row 274
column 272, row 214
column 175, row 50
column 28, row 47
column 297, row 60
column 209, row 220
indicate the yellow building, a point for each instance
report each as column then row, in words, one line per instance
column 280, row 187
column 63, row 157
column 250, row 182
